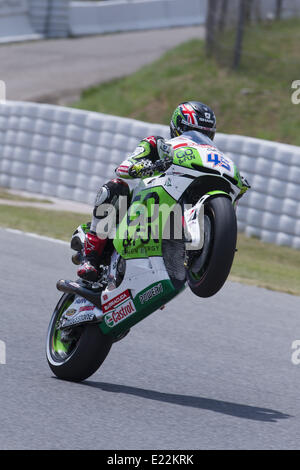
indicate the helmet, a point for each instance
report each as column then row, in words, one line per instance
column 193, row 116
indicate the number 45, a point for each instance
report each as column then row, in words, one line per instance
column 218, row 160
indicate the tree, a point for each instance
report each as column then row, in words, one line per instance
column 239, row 34
column 278, row 10
column 248, row 10
column 223, row 15
column 211, row 17
column 257, row 10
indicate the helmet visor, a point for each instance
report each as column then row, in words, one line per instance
column 199, row 128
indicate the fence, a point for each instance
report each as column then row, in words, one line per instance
column 69, row 154
column 31, row 19
column 14, row 21
column 50, row 18
column 123, row 15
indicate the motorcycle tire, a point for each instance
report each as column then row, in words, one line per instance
column 82, row 356
column 216, row 257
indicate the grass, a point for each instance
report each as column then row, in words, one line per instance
column 253, row 101
column 267, row 265
column 56, row 224
column 15, row 197
column 258, row 263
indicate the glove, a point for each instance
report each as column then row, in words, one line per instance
column 148, row 168
column 162, row 165
column 140, row 169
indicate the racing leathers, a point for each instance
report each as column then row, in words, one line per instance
column 152, row 156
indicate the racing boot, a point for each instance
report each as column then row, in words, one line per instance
column 93, row 249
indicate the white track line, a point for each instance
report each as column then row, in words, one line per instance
column 35, row 235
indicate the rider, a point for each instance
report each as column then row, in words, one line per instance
column 153, row 154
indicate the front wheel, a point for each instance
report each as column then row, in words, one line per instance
column 211, row 267
column 75, row 356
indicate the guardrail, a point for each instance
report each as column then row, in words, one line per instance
column 50, row 17
column 121, row 15
column 70, row 153
column 14, row 21
column 33, row 19
column 129, row 15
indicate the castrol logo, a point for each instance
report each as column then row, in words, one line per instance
column 120, row 313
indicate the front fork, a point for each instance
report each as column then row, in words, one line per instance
column 194, row 227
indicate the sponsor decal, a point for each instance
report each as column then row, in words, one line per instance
column 74, row 284
column 120, row 313
column 70, row 312
column 86, row 308
column 150, row 293
column 111, row 304
column 80, row 300
column 109, row 321
column 79, row 319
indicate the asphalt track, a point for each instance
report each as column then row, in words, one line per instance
column 57, row 70
column 201, row 374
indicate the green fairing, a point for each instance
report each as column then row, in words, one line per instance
column 144, row 307
column 139, row 234
column 214, row 193
column 242, row 187
column 186, row 157
column 237, row 177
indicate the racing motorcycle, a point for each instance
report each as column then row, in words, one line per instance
column 154, row 255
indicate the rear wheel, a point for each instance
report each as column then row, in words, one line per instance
column 75, row 355
column 211, row 267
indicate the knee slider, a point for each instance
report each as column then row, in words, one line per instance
column 109, row 195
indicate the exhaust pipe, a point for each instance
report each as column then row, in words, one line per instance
column 74, row 287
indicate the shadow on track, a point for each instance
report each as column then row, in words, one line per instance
column 232, row 409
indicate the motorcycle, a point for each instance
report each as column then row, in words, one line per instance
column 179, row 231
